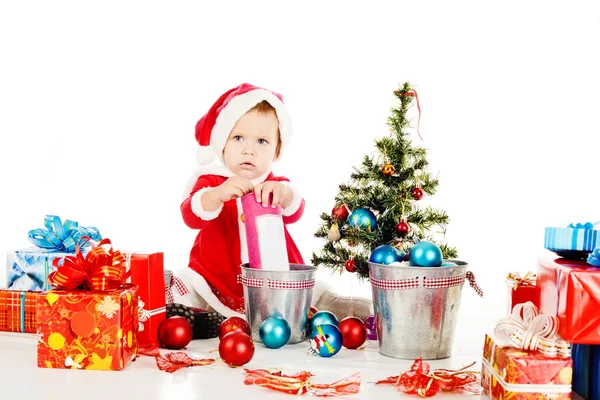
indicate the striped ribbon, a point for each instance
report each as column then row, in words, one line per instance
column 429, row 283
column 274, row 284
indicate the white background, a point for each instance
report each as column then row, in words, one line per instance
column 98, row 103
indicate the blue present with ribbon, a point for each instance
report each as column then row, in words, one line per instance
column 575, row 241
column 28, row 269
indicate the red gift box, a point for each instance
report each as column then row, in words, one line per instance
column 517, row 374
column 17, row 311
column 522, row 289
column 146, row 270
column 570, row 290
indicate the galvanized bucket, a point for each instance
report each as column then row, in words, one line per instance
column 416, row 308
column 287, row 294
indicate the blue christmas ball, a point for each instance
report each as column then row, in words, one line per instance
column 326, row 340
column 274, row 332
column 386, row 255
column 425, row 254
column 448, row 264
column 363, row 218
column 321, row 318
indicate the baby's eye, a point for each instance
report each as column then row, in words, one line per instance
column 262, row 141
column 238, row 138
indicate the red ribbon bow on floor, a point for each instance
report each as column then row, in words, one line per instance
column 102, row 268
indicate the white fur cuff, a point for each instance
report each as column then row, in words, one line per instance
column 296, row 200
column 199, row 210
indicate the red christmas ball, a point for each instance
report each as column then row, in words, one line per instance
column 354, row 332
column 402, row 227
column 236, row 348
column 311, row 311
column 232, row 324
column 417, row 193
column 340, row 213
column 175, row 333
column 350, row 266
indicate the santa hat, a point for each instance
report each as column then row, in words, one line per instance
column 213, row 129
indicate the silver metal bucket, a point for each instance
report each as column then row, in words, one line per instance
column 416, row 309
column 287, row 294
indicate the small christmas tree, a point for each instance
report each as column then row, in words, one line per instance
column 380, row 205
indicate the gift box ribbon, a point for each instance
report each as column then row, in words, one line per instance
column 518, row 280
column 61, row 236
column 102, row 269
column 525, row 328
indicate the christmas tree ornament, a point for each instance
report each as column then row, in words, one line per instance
column 321, row 318
column 386, row 254
column 236, row 348
column 334, row 233
column 326, row 340
column 312, row 311
column 340, row 213
column 417, row 193
column 448, row 264
column 350, row 265
column 232, row 324
column 388, row 169
column 175, row 333
column 354, row 332
column 274, row 332
column 425, row 254
column 402, row 228
column 363, row 218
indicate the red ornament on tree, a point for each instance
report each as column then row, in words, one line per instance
column 350, row 266
column 236, row 348
column 175, row 333
column 417, row 193
column 232, row 324
column 354, row 332
column 340, row 213
column 402, row 227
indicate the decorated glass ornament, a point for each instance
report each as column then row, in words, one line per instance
column 326, row 340
column 364, row 219
column 354, row 332
column 417, row 193
column 274, row 332
column 388, row 169
column 402, row 228
column 321, row 318
column 236, row 348
column 340, row 213
column 425, row 254
column 386, row 254
column 175, row 333
column 350, row 265
column 312, row 311
column 334, row 233
column 233, row 323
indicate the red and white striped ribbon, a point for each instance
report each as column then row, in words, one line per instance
column 176, row 284
column 273, row 284
column 401, row 284
column 429, row 283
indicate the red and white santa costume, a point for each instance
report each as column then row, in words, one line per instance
column 220, row 246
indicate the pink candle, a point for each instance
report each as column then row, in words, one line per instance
column 265, row 235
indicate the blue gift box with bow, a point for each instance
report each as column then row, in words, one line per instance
column 28, row 269
column 575, row 241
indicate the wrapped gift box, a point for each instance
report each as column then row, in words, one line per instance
column 17, row 311
column 570, row 289
column 512, row 373
column 81, row 329
column 573, row 241
column 522, row 289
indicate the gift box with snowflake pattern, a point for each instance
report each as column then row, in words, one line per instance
column 80, row 329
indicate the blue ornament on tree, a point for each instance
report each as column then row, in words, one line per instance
column 321, row 318
column 274, row 332
column 386, row 255
column 363, row 218
column 326, row 340
column 425, row 254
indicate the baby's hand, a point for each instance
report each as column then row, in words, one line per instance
column 234, row 187
column 282, row 195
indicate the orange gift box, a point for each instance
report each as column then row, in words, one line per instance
column 83, row 329
column 17, row 311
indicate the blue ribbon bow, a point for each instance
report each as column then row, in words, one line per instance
column 587, row 225
column 594, row 257
column 61, row 237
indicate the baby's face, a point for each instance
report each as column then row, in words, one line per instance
column 252, row 143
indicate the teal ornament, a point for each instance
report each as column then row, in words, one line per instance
column 425, row 254
column 363, row 218
column 326, row 340
column 386, row 255
column 274, row 332
column 321, row 318
column 448, row 264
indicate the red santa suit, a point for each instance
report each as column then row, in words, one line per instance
column 220, row 246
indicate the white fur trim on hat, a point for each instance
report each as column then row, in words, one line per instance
column 205, row 155
column 240, row 105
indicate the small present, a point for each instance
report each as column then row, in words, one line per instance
column 570, row 289
column 522, row 289
column 91, row 320
column 17, row 311
column 525, row 359
column 575, row 241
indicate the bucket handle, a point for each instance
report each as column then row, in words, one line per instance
column 429, row 283
column 274, row 284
